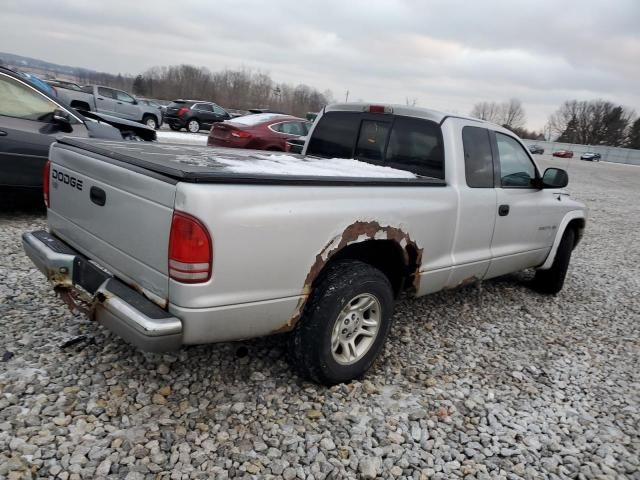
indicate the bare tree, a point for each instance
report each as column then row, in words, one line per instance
column 489, row 111
column 512, row 114
column 509, row 114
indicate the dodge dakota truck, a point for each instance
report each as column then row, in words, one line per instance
column 171, row 245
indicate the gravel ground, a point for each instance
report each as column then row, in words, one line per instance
column 485, row 382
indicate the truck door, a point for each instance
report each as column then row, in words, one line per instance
column 477, row 211
column 105, row 100
column 126, row 106
column 524, row 228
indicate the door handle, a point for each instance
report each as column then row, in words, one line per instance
column 3, row 133
column 503, row 210
column 98, row 196
column 100, row 98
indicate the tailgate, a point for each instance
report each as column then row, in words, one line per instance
column 117, row 215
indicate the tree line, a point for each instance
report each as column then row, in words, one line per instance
column 234, row 89
column 587, row 122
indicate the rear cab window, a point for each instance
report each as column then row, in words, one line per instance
column 404, row 143
column 478, row 159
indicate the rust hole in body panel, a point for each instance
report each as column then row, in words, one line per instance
column 357, row 232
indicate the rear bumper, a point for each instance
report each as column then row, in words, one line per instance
column 117, row 306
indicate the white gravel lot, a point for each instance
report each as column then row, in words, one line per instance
column 484, row 382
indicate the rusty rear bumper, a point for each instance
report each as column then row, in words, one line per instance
column 115, row 305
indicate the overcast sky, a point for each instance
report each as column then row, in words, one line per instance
column 446, row 54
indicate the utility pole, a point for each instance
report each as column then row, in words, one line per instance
column 346, row 97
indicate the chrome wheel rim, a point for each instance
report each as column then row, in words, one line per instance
column 356, row 329
column 193, row 126
column 151, row 123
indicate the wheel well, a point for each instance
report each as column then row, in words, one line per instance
column 398, row 264
column 80, row 105
column 147, row 115
column 577, row 224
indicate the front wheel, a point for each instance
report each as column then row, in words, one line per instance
column 344, row 325
column 193, row 126
column 551, row 281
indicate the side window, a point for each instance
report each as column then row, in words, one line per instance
column 335, row 134
column 292, row 128
column 19, row 101
column 218, row 110
column 106, row 92
column 123, row 97
column 372, row 140
column 416, row 145
column 478, row 162
column 306, row 126
column 204, row 107
column 516, row 169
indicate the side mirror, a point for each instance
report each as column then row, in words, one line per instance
column 62, row 120
column 555, row 178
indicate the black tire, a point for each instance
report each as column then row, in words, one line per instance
column 150, row 121
column 174, row 128
column 310, row 346
column 551, row 281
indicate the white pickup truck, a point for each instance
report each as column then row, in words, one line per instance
column 173, row 245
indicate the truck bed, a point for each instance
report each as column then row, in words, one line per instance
column 200, row 164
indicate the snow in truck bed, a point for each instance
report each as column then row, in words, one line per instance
column 202, row 163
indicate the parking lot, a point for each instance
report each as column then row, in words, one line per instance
column 488, row 381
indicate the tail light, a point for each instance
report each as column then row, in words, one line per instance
column 240, row 134
column 190, row 250
column 46, row 178
column 182, row 111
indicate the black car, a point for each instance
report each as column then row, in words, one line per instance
column 591, row 157
column 30, row 121
column 536, row 149
column 194, row 115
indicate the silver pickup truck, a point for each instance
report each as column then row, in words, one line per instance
column 95, row 98
column 171, row 245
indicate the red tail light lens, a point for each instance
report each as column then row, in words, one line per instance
column 182, row 111
column 190, row 250
column 46, row 178
column 240, row 134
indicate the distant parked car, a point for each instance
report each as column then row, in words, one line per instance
column 591, row 157
column 107, row 100
column 261, row 131
column 194, row 115
column 563, row 154
column 31, row 119
column 536, row 149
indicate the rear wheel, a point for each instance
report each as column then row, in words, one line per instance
column 193, row 126
column 551, row 281
column 150, row 121
column 345, row 323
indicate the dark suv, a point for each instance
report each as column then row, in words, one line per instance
column 194, row 115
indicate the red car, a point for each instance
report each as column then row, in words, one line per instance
column 563, row 154
column 262, row 131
